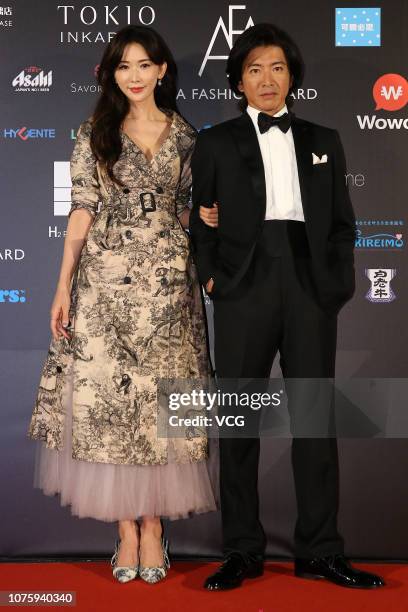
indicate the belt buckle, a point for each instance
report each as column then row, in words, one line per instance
column 148, row 202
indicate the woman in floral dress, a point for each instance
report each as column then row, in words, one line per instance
column 128, row 311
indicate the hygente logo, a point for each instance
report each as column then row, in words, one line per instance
column 228, row 34
column 25, row 133
column 380, row 290
column 390, row 93
column 13, row 296
column 33, row 79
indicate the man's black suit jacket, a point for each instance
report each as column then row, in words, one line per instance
column 227, row 167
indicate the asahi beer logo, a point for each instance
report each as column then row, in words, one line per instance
column 390, row 93
column 380, row 290
column 227, row 33
column 378, row 241
column 33, row 79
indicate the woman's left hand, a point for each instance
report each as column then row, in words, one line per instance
column 209, row 215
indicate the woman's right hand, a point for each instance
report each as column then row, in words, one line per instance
column 60, row 313
column 209, row 214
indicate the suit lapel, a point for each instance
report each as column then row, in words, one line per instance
column 303, row 148
column 246, row 139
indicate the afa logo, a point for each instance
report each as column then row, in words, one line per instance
column 228, row 35
column 13, row 296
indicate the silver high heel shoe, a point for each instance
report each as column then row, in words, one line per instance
column 155, row 574
column 122, row 574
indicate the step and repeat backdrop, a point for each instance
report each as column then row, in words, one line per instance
column 356, row 71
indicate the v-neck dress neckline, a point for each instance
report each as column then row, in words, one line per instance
column 156, row 154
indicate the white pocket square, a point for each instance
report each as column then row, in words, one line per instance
column 319, row 160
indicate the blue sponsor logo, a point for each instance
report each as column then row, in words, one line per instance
column 13, row 296
column 358, row 27
column 25, row 133
column 378, row 241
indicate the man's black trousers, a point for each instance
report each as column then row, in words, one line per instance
column 273, row 309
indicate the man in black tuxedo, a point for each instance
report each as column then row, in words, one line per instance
column 278, row 267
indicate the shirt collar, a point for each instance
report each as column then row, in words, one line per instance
column 254, row 112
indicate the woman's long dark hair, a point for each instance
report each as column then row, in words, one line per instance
column 113, row 106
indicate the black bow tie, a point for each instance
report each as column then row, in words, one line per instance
column 266, row 121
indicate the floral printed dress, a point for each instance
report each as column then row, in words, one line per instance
column 136, row 315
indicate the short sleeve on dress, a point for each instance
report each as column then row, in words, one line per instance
column 85, row 191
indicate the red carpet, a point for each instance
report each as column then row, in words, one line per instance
column 276, row 591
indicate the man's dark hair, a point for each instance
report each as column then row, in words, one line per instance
column 262, row 35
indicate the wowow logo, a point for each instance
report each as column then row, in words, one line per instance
column 62, row 188
column 228, row 34
column 390, row 93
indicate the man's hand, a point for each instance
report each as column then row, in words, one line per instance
column 209, row 215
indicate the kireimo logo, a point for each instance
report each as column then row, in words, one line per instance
column 378, row 241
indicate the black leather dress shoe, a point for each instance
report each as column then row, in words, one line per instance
column 338, row 570
column 232, row 572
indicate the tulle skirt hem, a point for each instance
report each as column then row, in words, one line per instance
column 111, row 492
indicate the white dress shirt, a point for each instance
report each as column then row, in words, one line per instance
column 283, row 198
